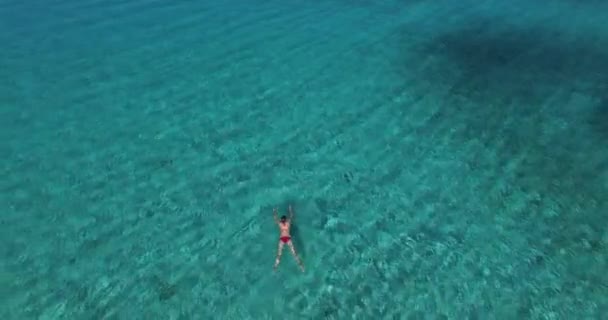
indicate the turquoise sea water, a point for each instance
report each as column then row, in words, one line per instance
column 445, row 159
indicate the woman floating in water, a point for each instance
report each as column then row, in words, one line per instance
column 285, row 238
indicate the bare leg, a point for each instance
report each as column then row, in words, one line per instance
column 295, row 255
column 279, row 252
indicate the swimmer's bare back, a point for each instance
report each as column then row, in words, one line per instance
column 284, row 224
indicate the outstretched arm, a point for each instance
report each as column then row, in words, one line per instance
column 275, row 215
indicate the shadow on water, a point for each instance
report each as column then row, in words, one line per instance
column 599, row 118
column 494, row 72
column 501, row 71
column 297, row 241
column 491, row 58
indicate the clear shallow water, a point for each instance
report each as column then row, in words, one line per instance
column 444, row 160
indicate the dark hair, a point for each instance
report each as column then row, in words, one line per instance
column 283, row 218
